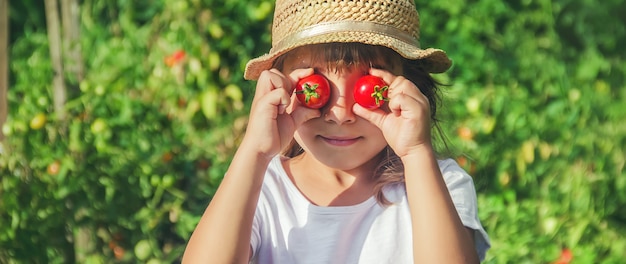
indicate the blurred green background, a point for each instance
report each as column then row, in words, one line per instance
column 115, row 159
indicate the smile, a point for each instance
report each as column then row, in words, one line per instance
column 340, row 142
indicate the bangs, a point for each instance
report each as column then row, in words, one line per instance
column 347, row 56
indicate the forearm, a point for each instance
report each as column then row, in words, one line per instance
column 438, row 233
column 223, row 233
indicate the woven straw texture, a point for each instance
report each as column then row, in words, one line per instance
column 390, row 23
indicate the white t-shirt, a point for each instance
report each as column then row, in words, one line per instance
column 287, row 228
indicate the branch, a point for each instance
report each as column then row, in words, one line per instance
column 4, row 63
column 54, row 38
column 70, row 19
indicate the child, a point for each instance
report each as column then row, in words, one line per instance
column 342, row 184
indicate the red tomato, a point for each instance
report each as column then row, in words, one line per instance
column 175, row 58
column 313, row 91
column 465, row 133
column 370, row 92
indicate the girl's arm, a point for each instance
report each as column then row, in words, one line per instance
column 224, row 231
column 438, row 233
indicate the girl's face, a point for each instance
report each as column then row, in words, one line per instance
column 338, row 138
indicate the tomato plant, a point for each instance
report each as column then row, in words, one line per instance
column 54, row 167
column 313, row 91
column 126, row 158
column 38, row 121
column 175, row 58
column 533, row 109
column 370, row 92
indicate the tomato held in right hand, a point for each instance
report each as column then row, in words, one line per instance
column 371, row 92
column 313, row 91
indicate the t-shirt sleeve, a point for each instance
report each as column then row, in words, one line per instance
column 255, row 238
column 257, row 226
column 463, row 193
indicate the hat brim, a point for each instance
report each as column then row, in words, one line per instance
column 434, row 60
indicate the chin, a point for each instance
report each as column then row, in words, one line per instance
column 346, row 162
column 345, row 159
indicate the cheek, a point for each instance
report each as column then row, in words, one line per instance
column 303, row 134
column 377, row 138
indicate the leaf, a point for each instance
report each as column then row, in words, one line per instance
column 209, row 100
column 143, row 250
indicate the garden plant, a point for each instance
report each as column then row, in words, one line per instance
column 119, row 166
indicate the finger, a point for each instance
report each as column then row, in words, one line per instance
column 274, row 102
column 301, row 114
column 376, row 117
column 279, row 80
column 263, row 86
column 264, row 83
column 398, row 84
column 268, row 81
column 403, row 86
column 298, row 74
column 408, row 107
column 388, row 77
column 402, row 103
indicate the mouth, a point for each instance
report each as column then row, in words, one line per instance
column 340, row 141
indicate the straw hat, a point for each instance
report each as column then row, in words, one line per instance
column 389, row 23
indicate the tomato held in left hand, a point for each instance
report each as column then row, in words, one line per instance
column 313, row 91
column 371, row 92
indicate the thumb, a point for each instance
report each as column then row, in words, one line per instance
column 302, row 114
column 375, row 116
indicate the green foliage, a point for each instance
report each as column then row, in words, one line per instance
column 147, row 138
column 539, row 87
column 535, row 108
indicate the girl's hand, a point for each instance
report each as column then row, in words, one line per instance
column 405, row 121
column 275, row 112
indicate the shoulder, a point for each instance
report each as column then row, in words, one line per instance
column 454, row 175
column 463, row 193
column 449, row 166
column 458, row 182
column 276, row 178
column 275, row 173
column 277, row 189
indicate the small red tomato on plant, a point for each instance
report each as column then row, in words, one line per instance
column 313, row 91
column 175, row 58
column 119, row 252
column 566, row 257
column 370, row 91
column 465, row 133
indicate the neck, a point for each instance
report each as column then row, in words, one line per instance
column 326, row 186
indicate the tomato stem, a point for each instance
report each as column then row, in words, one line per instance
column 309, row 91
column 378, row 94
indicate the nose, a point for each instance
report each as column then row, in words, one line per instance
column 339, row 107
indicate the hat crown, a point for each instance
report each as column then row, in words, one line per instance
column 389, row 23
column 294, row 16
